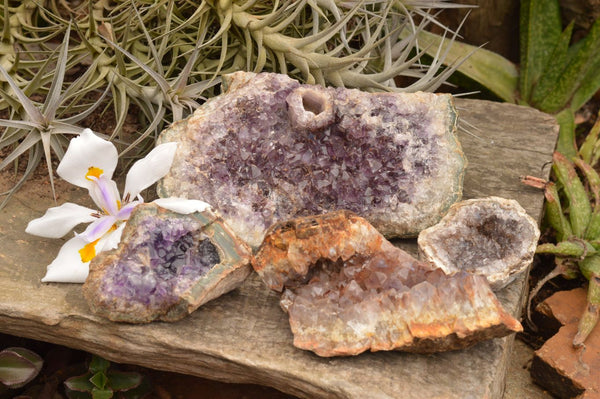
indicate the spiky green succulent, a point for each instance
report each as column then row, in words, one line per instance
column 164, row 57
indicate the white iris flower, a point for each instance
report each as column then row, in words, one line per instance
column 89, row 163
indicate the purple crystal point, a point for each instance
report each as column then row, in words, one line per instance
column 166, row 266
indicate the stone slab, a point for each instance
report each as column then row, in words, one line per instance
column 244, row 336
column 557, row 366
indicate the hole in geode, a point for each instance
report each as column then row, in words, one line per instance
column 313, row 102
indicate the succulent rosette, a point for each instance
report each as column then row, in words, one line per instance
column 90, row 162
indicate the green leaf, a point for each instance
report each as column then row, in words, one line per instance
column 587, row 149
column 590, row 83
column 580, row 209
column 98, row 364
column 491, row 70
column 123, row 381
column 17, row 370
column 102, row 393
column 581, row 62
column 566, row 135
column 79, row 383
column 540, row 29
column 99, row 380
column 555, row 215
column 553, row 69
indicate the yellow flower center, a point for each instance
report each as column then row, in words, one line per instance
column 93, row 172
column 88, row 251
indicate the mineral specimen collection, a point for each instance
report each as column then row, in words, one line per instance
column 270, row 149
column 347, row 289
column 167, row 265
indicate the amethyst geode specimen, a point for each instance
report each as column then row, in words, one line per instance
column 166, row 266
column 347, row 289
column 493, row 237
column 270, row 149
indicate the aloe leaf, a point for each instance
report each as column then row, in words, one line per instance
column 590, row 83
column 555, row 215
column 591, row 314
column 553, row 69
column 540, row 29
column 489, row 69
column 566, row 135
column 579, row 204
column 566, row 249
column 580, row 64
column 587, row 149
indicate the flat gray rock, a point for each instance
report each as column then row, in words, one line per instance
column 244, row 336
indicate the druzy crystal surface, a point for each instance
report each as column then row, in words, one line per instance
column 166, row 266
column 347, row 290
column 270, row 149
column 493, row 237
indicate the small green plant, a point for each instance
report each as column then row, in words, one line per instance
column 573, row 212
column 100, row 382
column 41, row 129
column 18, row 366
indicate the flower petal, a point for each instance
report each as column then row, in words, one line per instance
column 149, row 169
column 59, row 220
column 105, row 194
column 87, row 151
column 97, row 229
column 126, row 210
column 68, row 267
column 182, row 205
column 110, row 240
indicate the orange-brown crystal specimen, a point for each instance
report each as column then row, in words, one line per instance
column 347, row 290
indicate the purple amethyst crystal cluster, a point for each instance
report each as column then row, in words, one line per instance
column 270, row 149
column 166, row 266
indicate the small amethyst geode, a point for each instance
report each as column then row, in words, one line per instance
column 270, row 149
column 166, row 266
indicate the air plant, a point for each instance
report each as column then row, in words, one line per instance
column 43, row 129
column 166, row 57
column 575, row 218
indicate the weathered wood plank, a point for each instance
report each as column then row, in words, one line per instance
column 244, row 336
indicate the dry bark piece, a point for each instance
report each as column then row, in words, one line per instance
column 270, row 149
column 493, row 237
column 347, row 290
column 166, row 266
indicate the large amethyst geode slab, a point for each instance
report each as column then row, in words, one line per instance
column 166, row 266
column 347, row 290
column 270, row 149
